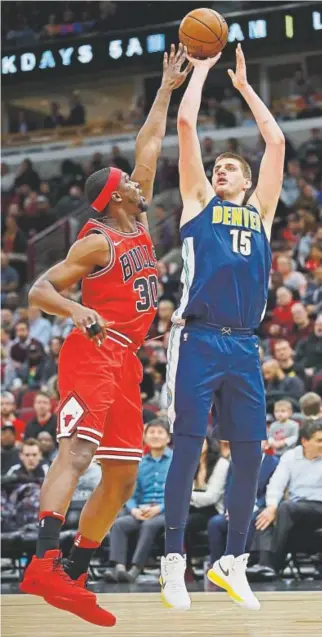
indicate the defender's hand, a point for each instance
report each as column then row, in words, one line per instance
column 207, row 64
column 173, row 73
column 85, row 317
column 239, row 78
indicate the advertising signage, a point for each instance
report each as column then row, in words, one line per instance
column 262, row 34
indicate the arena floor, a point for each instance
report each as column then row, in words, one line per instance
column 282, row 614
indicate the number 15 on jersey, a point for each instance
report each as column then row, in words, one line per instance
column 241, row 242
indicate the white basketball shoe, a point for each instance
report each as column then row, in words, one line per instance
column 230, row 574
column 173, row 588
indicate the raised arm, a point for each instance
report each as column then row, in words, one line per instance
column 82, row 257
column 195, row 188
column 269, row 186
column 149, row 140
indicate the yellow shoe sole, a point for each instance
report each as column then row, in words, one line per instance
column 219, row 581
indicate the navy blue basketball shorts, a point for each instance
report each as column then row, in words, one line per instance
column 208, row 366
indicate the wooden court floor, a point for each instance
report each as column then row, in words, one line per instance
column 139, row 615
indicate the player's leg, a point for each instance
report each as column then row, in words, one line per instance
column 242, row 422
column 190, row 386
column 119, row 453
column 79, row 428
column 100, row 511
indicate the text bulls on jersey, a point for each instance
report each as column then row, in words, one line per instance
column 136, row 260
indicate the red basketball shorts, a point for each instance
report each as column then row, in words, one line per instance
column 100, row 395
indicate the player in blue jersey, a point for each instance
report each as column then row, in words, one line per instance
column 213, row 352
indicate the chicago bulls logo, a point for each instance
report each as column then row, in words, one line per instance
column 70, row 416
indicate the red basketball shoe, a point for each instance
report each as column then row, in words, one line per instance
column 90, row 612
column 45, row 576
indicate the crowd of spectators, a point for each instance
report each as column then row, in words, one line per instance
column 26, row 22
column 290, row 351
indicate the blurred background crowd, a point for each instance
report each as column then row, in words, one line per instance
column 43, row 208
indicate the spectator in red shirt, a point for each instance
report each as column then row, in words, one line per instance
column 8, row 416
column 282, row 315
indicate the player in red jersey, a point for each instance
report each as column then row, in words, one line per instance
column 100, row 411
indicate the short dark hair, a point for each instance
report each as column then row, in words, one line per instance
column 310, row 404
column 30, row 442
column 42, row 393
column 158, row 422
column 23, row 322
column 247, row 171
column 309, row 427
column 95, row 184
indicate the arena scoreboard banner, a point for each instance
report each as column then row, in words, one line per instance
column 262, row 34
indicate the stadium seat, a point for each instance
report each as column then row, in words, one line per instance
column 26, row 414
column 28, row 399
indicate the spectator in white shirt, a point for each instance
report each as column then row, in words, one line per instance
column 300, row 472
column 40, row 328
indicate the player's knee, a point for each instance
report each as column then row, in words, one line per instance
column 81, row 455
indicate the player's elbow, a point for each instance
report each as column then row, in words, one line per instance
column 35, row 293
column 183, row 122
column 278, row 140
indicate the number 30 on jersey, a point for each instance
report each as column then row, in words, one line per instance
column 241, row 242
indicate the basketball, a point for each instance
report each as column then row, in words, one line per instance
column 204, row 32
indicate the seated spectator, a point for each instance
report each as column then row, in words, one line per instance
column 8, row 415
column 291, row 278
column 61, row 327
column 27, row 176
column 18, row 354
column 7, row 320
column 218, row 524
column 119, row 161
column 145, row 510
column 14, row 244
column 278, row 385
column 283, row 432
column 162, row 321
column 51, row 364
column 9, row 450
column 9, row 277
column 283, row 353
column 164, row 238
column 29, row 468
column 281, row 315
column 29, row 375
column 300, row 472
column 55, row 118
column 208, row 489
column 308, row 353
column 47, row 447
column 44, row 419
column 170, row 279
column 311, row 405
column 77, row 115
column 302, row 326
column 39, row 327
column 290, row 189
column 5, row 345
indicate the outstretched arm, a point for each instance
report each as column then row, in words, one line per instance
column 195, row 188
column 149, row 140
column 270, row 180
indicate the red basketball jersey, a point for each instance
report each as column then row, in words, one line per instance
column 126, row 290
